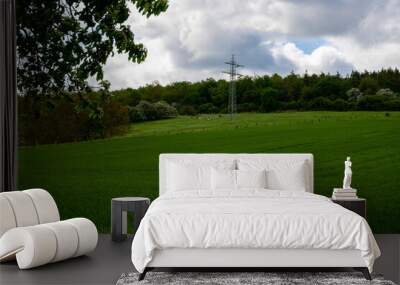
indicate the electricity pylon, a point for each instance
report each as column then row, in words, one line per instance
column 233, row 65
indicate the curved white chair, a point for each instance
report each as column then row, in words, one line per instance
column 31, row 231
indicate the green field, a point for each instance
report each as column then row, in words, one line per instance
column 84, row 176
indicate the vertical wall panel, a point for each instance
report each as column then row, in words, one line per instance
column 8, row 99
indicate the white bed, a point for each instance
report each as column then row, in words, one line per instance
column 250, row 227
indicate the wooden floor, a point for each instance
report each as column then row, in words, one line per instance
column 110, row 260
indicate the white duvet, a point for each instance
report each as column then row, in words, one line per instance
column 250, row 219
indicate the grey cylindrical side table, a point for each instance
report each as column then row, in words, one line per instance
column 119, row 208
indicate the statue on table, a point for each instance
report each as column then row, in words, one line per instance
column 347, row 174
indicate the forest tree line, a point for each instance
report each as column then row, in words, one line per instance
column 357, row 91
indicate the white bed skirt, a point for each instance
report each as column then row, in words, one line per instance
column 192, row 257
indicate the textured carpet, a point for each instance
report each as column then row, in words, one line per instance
column 228, row 278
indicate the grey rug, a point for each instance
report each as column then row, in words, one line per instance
column 269, row 278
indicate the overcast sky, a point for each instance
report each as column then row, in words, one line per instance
column 192, row 39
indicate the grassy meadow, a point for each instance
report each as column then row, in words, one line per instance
column 84, row 176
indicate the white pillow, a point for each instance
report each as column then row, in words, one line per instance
column 223, row 179
column 251, row 178
column 281, row 174
column 193, row 174
column 293, row 179
column 188, row 177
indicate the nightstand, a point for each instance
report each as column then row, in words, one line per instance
column 357, row 205
column 119, row 208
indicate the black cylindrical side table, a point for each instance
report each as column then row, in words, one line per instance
column 119, row 208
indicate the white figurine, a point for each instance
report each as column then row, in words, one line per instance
column 347, row 174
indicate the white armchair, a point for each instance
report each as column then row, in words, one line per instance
column 32, row 233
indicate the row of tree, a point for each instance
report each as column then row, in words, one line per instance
column 69, row 117
column 358, row 91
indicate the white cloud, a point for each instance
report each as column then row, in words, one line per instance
column 322, row 59
column 158, row 66
column 312, row 18
column 375, row 42
column 371, row 57
column 193, row 39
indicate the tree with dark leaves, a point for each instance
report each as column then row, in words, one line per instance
column 61, row 43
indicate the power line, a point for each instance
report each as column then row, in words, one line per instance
column 233, row 65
